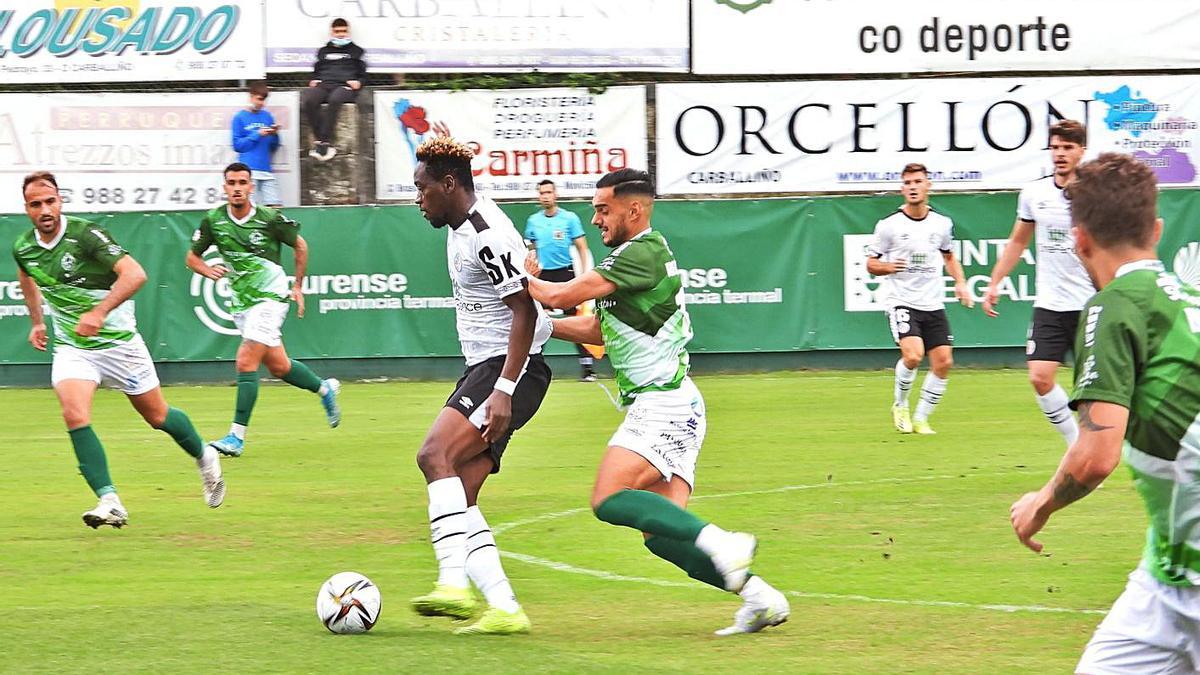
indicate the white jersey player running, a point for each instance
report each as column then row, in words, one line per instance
column 910, row 247
column 1063, row 286
column 502, row 331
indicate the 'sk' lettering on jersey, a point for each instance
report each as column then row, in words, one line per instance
column 921, row 243
column 486, row 258
column 251, row 249
column 645, row 325
column 1139, row 347
column 1063, row 284
column 75, row 272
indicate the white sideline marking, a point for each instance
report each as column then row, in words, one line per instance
column 504, row 527
column 610, row 576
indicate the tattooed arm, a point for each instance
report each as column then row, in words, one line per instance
column 1093, row 456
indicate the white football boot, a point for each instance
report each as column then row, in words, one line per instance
column 210, row 472
column 763, row 606
column 109, row 511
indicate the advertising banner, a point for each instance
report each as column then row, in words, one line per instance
column 463, row 35
column 740, row 37
column 130, row 40
column 377, row 284
column 972, row 134
column 520, row 136
column 135, row 152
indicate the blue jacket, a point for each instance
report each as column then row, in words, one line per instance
column 254, row 150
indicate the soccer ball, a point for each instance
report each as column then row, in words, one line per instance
column 348, row 603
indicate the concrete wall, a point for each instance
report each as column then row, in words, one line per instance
column 348, row 178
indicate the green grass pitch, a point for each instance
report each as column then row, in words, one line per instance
column 895, row 550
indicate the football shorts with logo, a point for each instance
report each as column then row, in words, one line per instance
column 931, row 326
column 127, row 366
column 477, row 384
column 666, row 428
column 263, row 322
column 1051, row 335
column 1151, row 628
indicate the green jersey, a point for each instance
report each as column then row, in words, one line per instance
column 75, row 272
column 645, row 325
column 250, row 249
column 1139, row 347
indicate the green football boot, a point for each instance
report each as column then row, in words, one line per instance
column 446, row 600
column 496, row 621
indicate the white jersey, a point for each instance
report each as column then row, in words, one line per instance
column 486, row 258
column 922, row 243
column 1062, row 282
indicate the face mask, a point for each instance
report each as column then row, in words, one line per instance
column 340, row 42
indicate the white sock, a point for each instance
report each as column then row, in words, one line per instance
column 206, row 457
column 710, row 539
column 483, row 563
column 448, row 530
column 753, row 590
column 324, row 389
column 904, row 382
column 238, row 430
column 1054, row 405
column 931, row 393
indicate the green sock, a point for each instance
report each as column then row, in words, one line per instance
column 650, row 513
column 301, row 376
column 246, row 396
column 180, row 428
column 688, row 558
column 92, row 462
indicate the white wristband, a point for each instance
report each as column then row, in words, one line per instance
column 505, row 385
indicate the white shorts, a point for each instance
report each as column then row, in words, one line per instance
column 263, row 322
column 126, row 367
column 667, row 428
column 1151, row 628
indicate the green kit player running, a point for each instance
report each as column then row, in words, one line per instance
column 86, row 280
column 248, row 237
column 648, row 471
column 1137, row 394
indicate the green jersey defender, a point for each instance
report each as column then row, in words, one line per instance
column 74, row 274
column 251, row 248
column 645, row 479
column 74, row 268
column 1147, row 322
column 250, row 240
column 645, row 325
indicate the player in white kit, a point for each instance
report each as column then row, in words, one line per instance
column 911, row 247
column 501, row 330
column 1063, row 286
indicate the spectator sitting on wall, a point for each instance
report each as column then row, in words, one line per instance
column 337, row 77
column 255, row 137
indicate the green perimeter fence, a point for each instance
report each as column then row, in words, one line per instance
column 777, row 277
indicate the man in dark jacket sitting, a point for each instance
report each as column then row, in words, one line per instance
column 337, row 77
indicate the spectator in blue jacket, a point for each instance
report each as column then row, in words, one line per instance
column 255, row 137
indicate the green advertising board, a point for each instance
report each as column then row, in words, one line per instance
column 775, row 275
